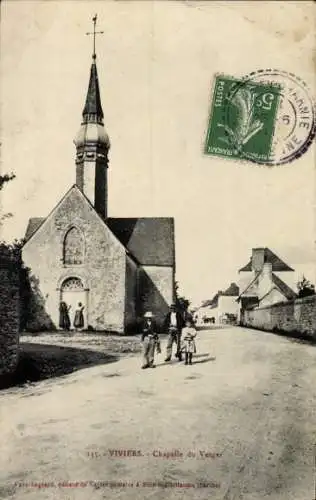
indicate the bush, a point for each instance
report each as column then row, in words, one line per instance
column 305, row 288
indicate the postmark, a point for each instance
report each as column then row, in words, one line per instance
column 266, row 117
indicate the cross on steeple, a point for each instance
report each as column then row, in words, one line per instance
column 94, row 33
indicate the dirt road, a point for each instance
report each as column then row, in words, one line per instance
column 237, row 424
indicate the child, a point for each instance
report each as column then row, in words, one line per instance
column 150, row 341
column 188, row 336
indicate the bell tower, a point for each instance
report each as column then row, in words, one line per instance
column 92, row 144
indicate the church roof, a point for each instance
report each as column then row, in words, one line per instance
column 33, row 224
column 269, row 256
column 93, row 100
column 149, row 239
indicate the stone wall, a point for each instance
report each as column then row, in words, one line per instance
column 156, row 284
column 102, row 271
column 9, row 314
column 296, row 316
column 131, row 292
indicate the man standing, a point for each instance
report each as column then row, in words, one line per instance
column 173, row 325
column 149, row 338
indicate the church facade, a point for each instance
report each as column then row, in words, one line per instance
column 117, row 268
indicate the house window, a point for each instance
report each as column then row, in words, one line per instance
column 73, row 247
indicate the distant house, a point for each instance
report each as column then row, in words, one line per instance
column 222, row 308
column 204, row 315
column 225, row 307
column 259, row 284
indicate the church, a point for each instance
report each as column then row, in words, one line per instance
column 117, row 268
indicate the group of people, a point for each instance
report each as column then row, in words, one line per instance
column 181, row 332
column 64, row 316
column 179, row 326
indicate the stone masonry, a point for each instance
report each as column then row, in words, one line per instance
column 103, row 273
column 295, row 316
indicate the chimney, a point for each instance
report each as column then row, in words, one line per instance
column 267, row 270
column 265, row 280
column 257, row 259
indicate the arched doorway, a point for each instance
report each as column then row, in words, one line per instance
column 72, row 292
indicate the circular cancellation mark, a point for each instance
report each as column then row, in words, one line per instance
column 292, row 127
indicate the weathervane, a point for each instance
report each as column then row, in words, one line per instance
column 94, row 33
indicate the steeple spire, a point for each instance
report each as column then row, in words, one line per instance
column 92, row 143
column 93, row 110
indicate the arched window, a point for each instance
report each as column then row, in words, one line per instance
column 73, row 247
column 72, row 284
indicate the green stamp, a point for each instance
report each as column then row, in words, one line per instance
column 242, row 119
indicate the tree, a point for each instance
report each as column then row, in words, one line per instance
column 3, row 180
column 305, row 288
column 182, row 303
column 13, row 252
column 6, row 178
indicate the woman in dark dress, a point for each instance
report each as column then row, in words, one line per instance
column 79, row 320
column 64, row 320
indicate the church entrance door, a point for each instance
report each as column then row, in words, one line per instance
column 73, row 292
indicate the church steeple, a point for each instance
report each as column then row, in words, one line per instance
column 92, row 143
column 93, row 108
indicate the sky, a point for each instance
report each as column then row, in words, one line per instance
column 156, row 63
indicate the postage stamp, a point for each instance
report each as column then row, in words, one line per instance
column 266, row 117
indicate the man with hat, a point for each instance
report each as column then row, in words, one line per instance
column 149, row 339
column 173, row 326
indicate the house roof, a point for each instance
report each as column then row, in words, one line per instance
column 214, row 302
column 231, row 291
column 149, row 239
column 269, row 256
column 249, row 285
column 283, row 287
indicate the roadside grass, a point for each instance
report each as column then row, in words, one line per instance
column 55, row 354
